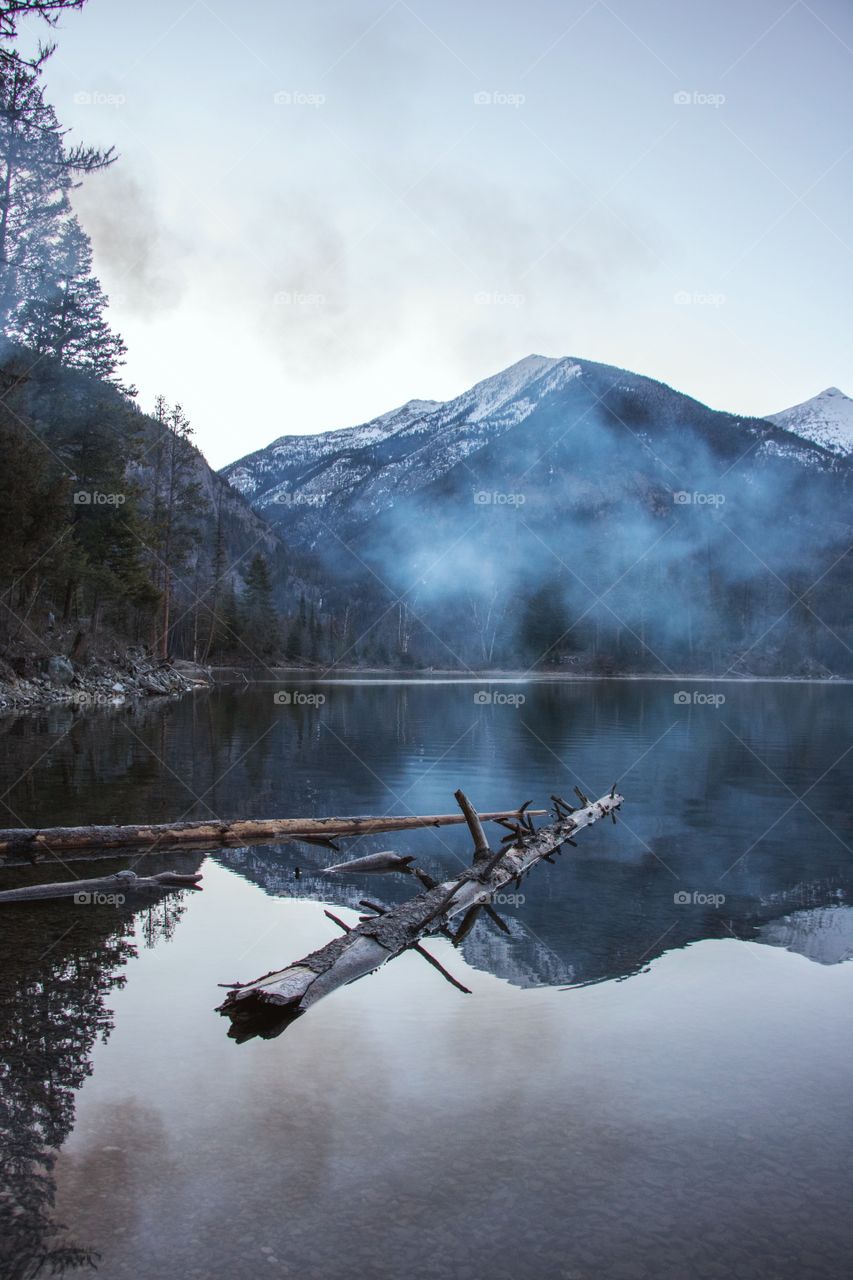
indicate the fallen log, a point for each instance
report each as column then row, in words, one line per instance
column 155, row 837
column 117, row 887
column 267, row 1005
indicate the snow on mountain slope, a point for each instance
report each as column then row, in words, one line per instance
column 826, row 419
column 251, row 475
column 401, row 449
column 824, row 934
column 325, row 486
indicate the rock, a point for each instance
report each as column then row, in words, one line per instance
column 118, row 687
column 153, row 684
column 59, row 670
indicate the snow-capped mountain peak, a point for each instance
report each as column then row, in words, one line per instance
column 826, row 419
column 537, row 408
column 321, row 464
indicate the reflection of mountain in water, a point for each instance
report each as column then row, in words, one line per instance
column 824, row 934
column 582, row 920
column 60, row 963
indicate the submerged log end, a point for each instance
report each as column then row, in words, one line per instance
column 264, row 1016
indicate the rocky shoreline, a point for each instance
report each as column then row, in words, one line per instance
column 99, row 682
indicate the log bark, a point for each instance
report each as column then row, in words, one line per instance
column 124, row 884
column 269, row 1004
column 39, row 843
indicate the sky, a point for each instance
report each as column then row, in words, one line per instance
column 322, row 211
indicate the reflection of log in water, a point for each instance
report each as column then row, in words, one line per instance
column 269, row 1004
column 116, row 890
column 55, row 982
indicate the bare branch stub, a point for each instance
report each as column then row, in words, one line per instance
column 468, row 921
column 493, row 916
column 475, row 826
column 372, row 906
column 338, row 921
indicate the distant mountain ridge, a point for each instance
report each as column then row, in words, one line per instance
column 569, row 512
column 362, row 467
column 305, row 470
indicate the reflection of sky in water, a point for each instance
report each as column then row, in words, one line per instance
column 695, row 1114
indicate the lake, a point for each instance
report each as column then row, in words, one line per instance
column 651, row 1076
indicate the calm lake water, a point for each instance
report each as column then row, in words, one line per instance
column 651, row 1077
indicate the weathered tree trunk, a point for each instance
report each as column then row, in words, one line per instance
column 124, row 883
column 269, row 1004
column 156, row 837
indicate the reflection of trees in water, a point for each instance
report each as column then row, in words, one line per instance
column 59, row 966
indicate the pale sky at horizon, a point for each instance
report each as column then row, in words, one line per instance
column 378, row 234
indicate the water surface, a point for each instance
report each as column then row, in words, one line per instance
column 651, row 1076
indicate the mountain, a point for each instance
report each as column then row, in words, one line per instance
column 242, row 530
column 536, row 949
column 826, row 419
column 97, row 439
column 821, row 934
column 405, row 448
column 305, row 484
column 263, row 476
column 565, row 512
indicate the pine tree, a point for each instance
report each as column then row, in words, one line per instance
column 175, row 507
column 94, row 441
column 37, row 172
column 217, row 587
column 11, row 12
column 33, row 511
column 227, row 626
column 545, row 626
column 64, row 317
column 260, row 621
